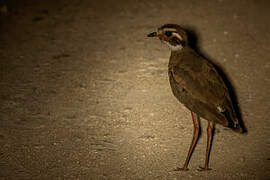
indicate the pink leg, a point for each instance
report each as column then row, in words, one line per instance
column 208, row 148
column 193, row 143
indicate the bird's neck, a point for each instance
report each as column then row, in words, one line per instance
column 176, row 57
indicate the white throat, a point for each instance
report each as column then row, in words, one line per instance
column 174, row 48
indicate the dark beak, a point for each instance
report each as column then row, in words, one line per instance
column 153, row 34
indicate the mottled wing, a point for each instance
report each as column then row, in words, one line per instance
column 197, row 84
column 200, row 79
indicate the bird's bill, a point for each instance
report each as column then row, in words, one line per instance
column 153, row 34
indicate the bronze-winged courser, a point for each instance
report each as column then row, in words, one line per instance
column 196, row 83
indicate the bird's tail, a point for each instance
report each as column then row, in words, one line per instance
column 237, row 128
column 233, row 118
column 233, row 122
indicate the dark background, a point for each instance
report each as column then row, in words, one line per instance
column 84, row 94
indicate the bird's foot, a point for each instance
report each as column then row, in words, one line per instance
column 204, row 168
column 181, row 169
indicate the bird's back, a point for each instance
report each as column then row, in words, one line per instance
column 196, row 83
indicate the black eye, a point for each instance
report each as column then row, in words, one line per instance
column 168, row 33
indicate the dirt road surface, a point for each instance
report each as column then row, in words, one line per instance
column 85, row 94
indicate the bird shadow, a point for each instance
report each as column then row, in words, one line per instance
column 193, row 35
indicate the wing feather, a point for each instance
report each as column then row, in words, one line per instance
column 201, row 80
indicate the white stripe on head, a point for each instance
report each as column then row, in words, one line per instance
column 177, row 35
column 169, row 29
column 174, row 32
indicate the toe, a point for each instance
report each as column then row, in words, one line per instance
column 181, row 169
column 204, row 168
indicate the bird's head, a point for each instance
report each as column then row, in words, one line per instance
column 173, row 35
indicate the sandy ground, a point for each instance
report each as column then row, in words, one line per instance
column 85, row 94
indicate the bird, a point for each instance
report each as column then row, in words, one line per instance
column 199, row 86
